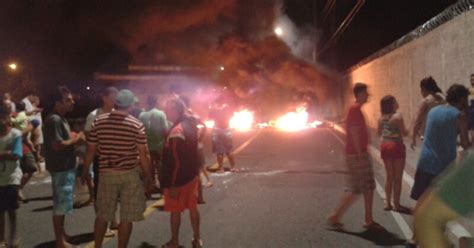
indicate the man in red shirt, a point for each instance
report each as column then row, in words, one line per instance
column 359, row 167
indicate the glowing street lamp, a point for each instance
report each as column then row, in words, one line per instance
column 12, row 66
column 278, row 31
column 222, row 68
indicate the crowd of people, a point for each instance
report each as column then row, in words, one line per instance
column 132, row 154
column 440, row 188
column 121, row 154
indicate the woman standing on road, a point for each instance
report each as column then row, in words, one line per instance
column 392, row 129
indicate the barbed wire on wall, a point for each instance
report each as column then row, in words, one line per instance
column 448, row 14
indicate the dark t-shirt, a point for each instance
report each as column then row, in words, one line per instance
column 56, row 129
column 180, row 171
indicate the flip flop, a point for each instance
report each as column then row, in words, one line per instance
column 387, row 208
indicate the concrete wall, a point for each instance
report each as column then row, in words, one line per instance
column 446, row 53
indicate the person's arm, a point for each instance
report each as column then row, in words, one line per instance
column 401, row 125
column 354, row 134
column 88, row 158
column 202, row 131
column 463, row 129
column 177, row 164
column 59, row 143
column 379, row 127
column 420, row 117
column 144, row 156
column 145, row 165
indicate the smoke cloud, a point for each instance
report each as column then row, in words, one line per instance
column 260, row 68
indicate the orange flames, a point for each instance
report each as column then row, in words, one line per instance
column 293, row 121
column 242, row 120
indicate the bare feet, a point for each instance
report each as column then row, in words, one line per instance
column 334, row 223
column 209, row 184
column 402, row 209
column 373, row 226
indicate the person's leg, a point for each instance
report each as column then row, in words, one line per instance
column 399, row 166
column 220, row 161
column 124, row 232
column 389, row 171
column 368, row 200
column 13, row 227
column 59, row 233
column 195, row 223
column 2, row 227
column 231, row 158
column 175, row 222
column 200, row 194
column 100, row 227
column 346, row 201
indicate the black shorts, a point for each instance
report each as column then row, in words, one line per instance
column 423, row 181
column 9, row 196
column 28, row 163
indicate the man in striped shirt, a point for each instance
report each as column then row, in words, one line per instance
column 120, row 141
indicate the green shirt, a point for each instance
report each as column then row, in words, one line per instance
column 456, row 188
column 156, row 126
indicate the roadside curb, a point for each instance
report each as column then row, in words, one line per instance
column 457, row 234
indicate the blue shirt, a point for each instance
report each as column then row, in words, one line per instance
column 439, row 146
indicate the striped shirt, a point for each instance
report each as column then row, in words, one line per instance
column 117, row 135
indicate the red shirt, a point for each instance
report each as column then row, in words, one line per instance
column 355, row 118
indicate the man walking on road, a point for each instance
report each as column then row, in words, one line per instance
column 181, row 171
column 120, row 141
column 359, row 166
column 61, row 160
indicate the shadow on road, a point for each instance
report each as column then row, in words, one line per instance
column 75, row 240
column 146, row 245
column 43, row 198
column 380, row 237
column 48, row 208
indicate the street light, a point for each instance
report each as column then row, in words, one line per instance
column 278, row 31
column 12, row 66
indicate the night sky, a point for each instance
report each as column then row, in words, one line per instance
column 45, row 36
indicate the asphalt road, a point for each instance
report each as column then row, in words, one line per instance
column 288, row 185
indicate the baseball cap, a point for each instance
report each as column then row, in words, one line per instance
column 125, row 98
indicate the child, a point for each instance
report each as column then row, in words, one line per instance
column 10, row 177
